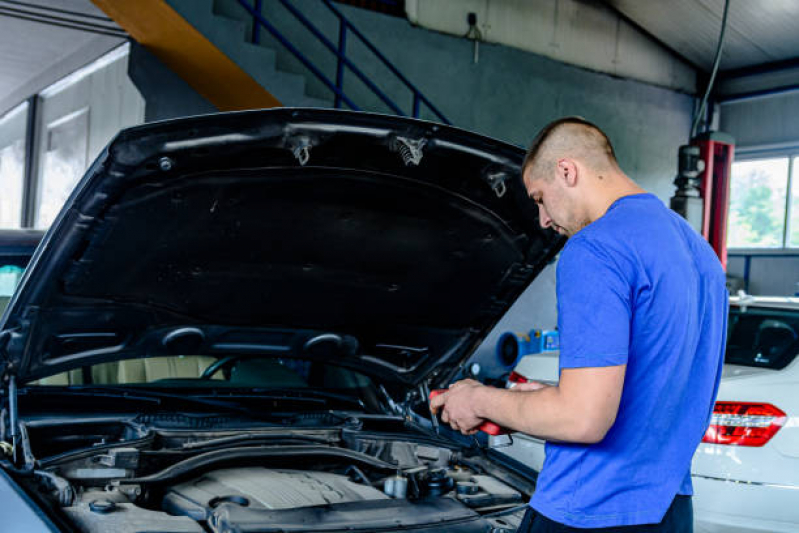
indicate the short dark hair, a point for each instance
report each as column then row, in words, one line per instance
column 554, row 126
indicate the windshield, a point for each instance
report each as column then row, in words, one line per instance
column 193, row 371
column 763, row 338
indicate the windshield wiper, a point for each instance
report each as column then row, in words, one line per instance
column 298, row 394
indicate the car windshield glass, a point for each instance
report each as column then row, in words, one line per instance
column 763, row 338
column 200, row 371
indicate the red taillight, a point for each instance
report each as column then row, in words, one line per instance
column 744, row 423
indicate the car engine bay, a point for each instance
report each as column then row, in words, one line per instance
column 194, row 473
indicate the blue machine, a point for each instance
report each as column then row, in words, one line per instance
column 512, row 346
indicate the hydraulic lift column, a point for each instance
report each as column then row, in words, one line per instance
column 703, row 187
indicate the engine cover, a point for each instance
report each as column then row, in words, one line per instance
column 262, row 488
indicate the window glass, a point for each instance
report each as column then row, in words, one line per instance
column 793, row 225
column 757, row 203
column 765, row 338
column 201, row 370
column 9, row 279
column 63, row 165
column 13, row 127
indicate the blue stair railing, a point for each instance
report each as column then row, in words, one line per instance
column 340, row 51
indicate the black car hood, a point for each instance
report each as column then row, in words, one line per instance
column 391, row 245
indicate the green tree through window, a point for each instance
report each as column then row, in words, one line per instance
column 757, row 203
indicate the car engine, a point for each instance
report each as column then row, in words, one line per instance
column 257, row 480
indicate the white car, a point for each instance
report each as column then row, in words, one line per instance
column 746, row 470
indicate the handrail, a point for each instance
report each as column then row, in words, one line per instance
column 330, row 46
column 386, row 62
column 299, row 55
column 340, row 52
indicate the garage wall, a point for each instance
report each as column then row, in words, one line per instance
column 509, row 94
column 586, row 34
column 770, row 274
column 764, row 124
column 165, row 94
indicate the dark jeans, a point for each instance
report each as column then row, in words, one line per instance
column 679, row 519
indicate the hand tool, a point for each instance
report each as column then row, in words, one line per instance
column 486, row 427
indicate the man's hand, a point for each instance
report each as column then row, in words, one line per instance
column 457, row 406
column 581, row 408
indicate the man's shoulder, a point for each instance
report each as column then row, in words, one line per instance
column 585, row 250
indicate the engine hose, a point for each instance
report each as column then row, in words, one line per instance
column 357, row 471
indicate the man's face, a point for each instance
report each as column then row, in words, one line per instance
column 555, row 207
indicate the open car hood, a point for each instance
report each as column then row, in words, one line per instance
column 392, row 245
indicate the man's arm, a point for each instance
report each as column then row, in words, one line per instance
column 581, row 408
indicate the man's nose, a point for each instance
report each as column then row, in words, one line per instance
column 543, row 217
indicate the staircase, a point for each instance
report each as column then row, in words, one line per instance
column 230, row 35
column 314, row 58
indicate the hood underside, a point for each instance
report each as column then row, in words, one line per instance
column 399, row 243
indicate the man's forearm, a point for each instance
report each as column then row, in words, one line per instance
column 545, row 413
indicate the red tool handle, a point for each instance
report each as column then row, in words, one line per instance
column 486, row 427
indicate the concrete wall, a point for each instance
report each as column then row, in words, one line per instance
column 585, row 34
column 763, row 125
column 165, row 93
column 770, row 275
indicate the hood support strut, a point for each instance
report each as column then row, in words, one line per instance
column 13, row 415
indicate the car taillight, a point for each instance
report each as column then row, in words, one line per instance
column 743, row 423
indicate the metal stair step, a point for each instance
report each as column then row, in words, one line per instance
column 228, row 26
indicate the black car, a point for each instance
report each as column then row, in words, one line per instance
column 235, row 322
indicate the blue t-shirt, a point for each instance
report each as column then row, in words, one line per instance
column 638, row 287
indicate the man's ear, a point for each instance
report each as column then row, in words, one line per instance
column 567, row 170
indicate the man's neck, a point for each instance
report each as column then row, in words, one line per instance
column 619, row 187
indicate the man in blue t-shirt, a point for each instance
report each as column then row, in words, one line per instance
column 642, row 314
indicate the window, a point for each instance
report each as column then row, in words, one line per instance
column 763, row 338
column 13, row 128
column 760, row 214
column 71, row 122
column 65, row 160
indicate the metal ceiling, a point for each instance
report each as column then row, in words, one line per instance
column 759, row 32
column 41, row 38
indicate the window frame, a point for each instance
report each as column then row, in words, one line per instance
column 785, row 248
